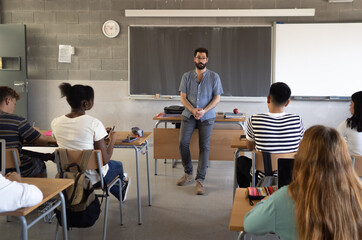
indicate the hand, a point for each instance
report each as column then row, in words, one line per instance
column 194, row 112
column 199, row 112
column 112, row 136
column 13, row 176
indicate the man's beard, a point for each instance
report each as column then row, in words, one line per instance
column 200, row 66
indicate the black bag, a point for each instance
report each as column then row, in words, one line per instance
column 174, row 109
column 269, row 179
column 82, row 205
column 244, row 174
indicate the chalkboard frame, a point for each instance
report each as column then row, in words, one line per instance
column 172, row 95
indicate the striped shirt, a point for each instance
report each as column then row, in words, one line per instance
column 15, row 129
column 275, row 132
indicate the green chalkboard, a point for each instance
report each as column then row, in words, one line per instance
column 160, row 55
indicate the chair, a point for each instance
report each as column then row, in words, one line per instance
column 13, row 159
column 95, row 163
column 258, row 163
column 357, row 164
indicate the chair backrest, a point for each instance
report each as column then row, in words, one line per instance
column 95, row 161
column 357, row 164
column 259, row 163
column 13, row 159
column 75, row 156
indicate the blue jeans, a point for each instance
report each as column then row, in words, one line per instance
column 205, row 129
column 115, row 169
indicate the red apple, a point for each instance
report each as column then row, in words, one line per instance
column 236, row 111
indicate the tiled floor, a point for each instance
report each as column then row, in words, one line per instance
column 176, row 212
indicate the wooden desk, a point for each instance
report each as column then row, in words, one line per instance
column 166, row 140
column 120, row 136
column 50, row 187
column 241, row 207
column 219, row 119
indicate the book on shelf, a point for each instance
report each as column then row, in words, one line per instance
column 233, row 115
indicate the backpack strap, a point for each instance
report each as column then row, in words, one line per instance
column 85, row 159
column 267, row 164
column 76, row 180
column 63, row 159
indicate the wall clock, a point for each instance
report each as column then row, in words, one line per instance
column 111, row 29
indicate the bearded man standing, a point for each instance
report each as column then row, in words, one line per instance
column 200, row 91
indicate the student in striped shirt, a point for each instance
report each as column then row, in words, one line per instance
column 15, row 130
column 273, row 132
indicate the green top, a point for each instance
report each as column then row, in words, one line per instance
column 275, row 214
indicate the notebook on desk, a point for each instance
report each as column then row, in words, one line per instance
column 2, row 156
column 285, row 171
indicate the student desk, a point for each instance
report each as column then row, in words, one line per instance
column 166, row 140
column 50, row 187
column 241, row 207
column 140, row 146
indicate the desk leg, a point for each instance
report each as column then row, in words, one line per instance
column 138, row 186
column 148, row 176
column 24, row 228
column 155, row 166
column 64, row 217
column 253, row 169
column 235, row 170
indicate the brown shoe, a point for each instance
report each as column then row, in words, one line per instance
column 186, row 179
column 199, row 188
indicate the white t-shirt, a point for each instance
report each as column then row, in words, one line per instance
column 80, row 133
column 14, row 195
column 353, row 138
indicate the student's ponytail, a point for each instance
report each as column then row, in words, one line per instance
column 65, row 89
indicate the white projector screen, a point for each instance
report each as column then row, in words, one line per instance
column 319, row 59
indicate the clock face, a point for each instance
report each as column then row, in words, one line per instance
column 111, row 29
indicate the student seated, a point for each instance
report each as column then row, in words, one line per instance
column 324, row 201
column 15, row 130
column 351, row 128
column 15, row 194
column 78, row 131
column 273, row 132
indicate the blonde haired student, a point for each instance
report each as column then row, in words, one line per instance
column 324, row 201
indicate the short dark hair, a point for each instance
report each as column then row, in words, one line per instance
column 201, row 50
column 355, row 122
column 8, row 92
column 279, row 93
column 76, row 94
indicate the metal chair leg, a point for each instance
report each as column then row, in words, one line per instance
column 105, row 218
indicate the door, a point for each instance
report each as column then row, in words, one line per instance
column 13, row 63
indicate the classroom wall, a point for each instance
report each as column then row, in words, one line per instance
column 103, row 62
column 113, row 106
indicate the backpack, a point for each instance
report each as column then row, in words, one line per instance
column 82, row 205
column 174, row 109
